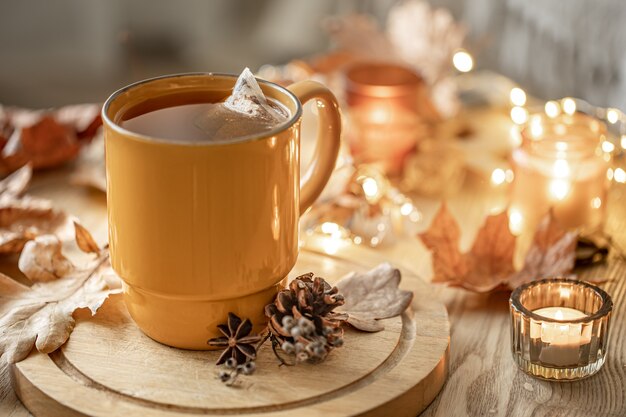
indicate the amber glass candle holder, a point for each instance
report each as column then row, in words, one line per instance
column 560, row 328
column 385, row 113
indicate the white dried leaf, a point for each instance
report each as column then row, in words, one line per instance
column 41, row 315
column 372, row 296
column 41, row 259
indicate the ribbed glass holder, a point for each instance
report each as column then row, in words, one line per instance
column 567, row 347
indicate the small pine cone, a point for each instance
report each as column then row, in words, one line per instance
column 314, row 300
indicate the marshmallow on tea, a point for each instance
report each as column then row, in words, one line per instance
column 246, row 111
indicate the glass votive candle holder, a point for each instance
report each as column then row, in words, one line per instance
column 560, row 328
column 560, row 165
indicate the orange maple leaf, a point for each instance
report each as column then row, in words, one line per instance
column 489, row 263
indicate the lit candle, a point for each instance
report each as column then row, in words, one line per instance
column 560, row 165
column 388, row 105
column 563, row 341
column 560, row 328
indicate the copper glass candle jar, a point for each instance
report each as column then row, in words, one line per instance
column 384, row 101
column 560, row 165
column 559, row 328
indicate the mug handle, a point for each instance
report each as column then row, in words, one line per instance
column 328, row 140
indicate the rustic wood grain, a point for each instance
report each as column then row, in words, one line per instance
column 483, row 379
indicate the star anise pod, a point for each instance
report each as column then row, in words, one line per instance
column 239, row 344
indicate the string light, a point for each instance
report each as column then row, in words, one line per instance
column 612, row 116
column 517, row 96
column 607, row 146
column 462, row 61
column 519, row 115
column 552, row 109
column 498, row 176
column 569, row 106
column 619, row 175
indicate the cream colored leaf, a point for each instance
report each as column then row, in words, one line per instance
column 41, row 315
column 84, row 240
column 41, row 259
column 373, row 296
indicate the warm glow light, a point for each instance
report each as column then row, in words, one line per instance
column 517, row 96
column 535, row 128
column 510, row 176
column 561, row 168
column 516, row 221
column 331, row 245
column 596, row 203
column 357, row 240
column 516, row 138
column 619, row 175
column 607, row 146
column 519, row 115
column 370, row 187
column 612, row 116
column 569, row 106
column 498, row 176
column 559, row 188
column 561, row 146
column 609, row 174
column 406, row 209
column 558, row 315
column 552, row 109
column 623, row 141
column 380, row 115
column 415, row 216
column 565, row 292
column 463, row 61
column 330, row 228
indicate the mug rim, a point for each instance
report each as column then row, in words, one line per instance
column 160, row 140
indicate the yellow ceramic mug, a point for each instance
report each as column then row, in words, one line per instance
column 200, row 229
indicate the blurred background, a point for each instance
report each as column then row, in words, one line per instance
column 72, row 51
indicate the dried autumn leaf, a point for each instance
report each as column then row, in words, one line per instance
column 41, row 260
column 26, row 218
column 485, row 267
column 552, row 253
column 84, row 240
column 372, row 296
column 15, row 184
column 489, row 264
column 41, row 315
column 46, row 138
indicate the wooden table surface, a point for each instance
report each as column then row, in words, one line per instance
column 483, row 379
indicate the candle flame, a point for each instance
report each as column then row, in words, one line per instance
column 558, row 315
column 559, row 188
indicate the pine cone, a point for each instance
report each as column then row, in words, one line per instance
column 302, row 321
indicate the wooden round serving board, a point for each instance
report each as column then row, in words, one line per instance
column 110, row 368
